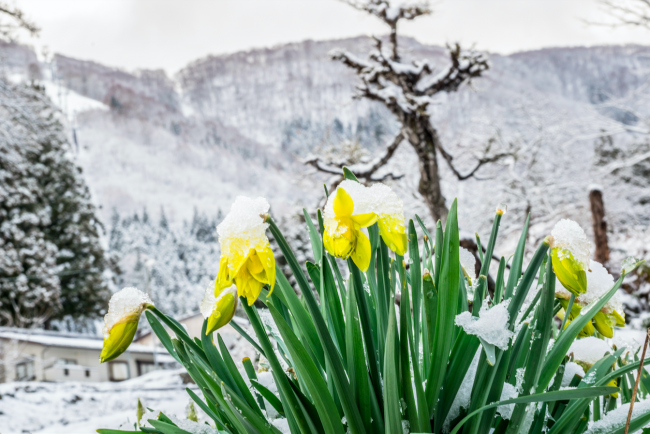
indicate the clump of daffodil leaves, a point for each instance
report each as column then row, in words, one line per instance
column 363, row 336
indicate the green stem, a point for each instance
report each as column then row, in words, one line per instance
column 568, row 311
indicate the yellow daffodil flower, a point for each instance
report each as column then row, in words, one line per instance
column 220, row 309
column 611, row 315
column 354, row 206
column 570, row 255
column 343, row 237
column 121, row 321
column 247, row 260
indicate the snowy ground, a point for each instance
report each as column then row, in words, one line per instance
column 53, row 408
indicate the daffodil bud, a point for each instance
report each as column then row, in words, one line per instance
column 121, row 321
column 246, row 256
column 570, row 255
column 219, row 309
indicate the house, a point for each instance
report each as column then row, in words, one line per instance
column 39, row 355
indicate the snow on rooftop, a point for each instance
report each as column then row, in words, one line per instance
column 491, row 325
column 468, row 262
column 244, row 227
column 616, row 419
column 129, row 301
column 599, row 281
column 568, row 234
column 67, row 340
column 589, row 350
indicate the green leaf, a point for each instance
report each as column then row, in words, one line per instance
column 347, row 174
column 214, row 358
column 405, row 361
column 416, row 288
column 250, row 373
column 590, row 392
column 289, row 400
column 246, row 336
column 166, row 428
column 300, row 314
column 314, row 237
column 356, row 360
column 566, row 338
column 180, row 332
column 392, row 415
column 269, row 396
column 206, row 409
column 162, row 334
column 447, row 305
column 331, row 353
column 241, row 388
column 315, row 384
column 517, row 261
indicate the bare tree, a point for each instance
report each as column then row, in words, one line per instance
column 635, row 13
column 407, row 89
column 12, row 20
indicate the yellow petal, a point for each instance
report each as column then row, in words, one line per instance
column 223, row 312
column 268, row 263
column 364, row 220
column 343, row 204
column 393, row 233
column 569, row 271
column 362, row 252
column 224, row 279
column 119, row 338
column 248, row 286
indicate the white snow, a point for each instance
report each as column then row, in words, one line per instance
column 468, row 262
column 568, row 235
column 244, row 222
column 628, row 264
column 70, row 102
column 617, row 418
column 127, row 302
column 491, row 325
column 599, row 281
column 589, row 350
column 571, row 369
column 509, row 392
column 209, row 302
column 378, row 199
column 464, row 394
column 71, row 407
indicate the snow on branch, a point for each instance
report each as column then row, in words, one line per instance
column 391, row 14
column 363, row 171
column 17, row 20
column 465, row 65
column 627, row 12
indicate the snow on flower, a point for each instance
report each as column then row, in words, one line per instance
column 570, row 255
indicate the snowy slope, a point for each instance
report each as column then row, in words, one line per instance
column 241, row 123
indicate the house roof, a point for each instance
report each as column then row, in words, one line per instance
column 61, row 339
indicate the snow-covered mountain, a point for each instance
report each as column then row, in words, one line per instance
column 242, row 123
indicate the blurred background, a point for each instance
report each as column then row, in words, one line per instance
column 128, row 127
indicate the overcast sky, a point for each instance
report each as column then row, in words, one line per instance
column 169, row 34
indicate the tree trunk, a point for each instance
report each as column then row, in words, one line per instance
column 600, row 225
column 423, row 137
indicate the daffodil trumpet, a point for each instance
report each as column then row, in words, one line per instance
column 570, row 250
column 121, row 321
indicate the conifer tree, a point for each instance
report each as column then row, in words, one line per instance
column 51, row 259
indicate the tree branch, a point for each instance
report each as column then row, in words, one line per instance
column 485, row 159
column 627, row 13
column 20, row 21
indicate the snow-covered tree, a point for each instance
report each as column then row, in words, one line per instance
column 173, row 264
column 407, row 90
column 51, row 261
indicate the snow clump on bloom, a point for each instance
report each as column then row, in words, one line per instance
column 568, row 234
column 378, row 199
column 589, row 350
column 599, row 281
column 491, row 325
column 244, row 227
column 127, row 302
